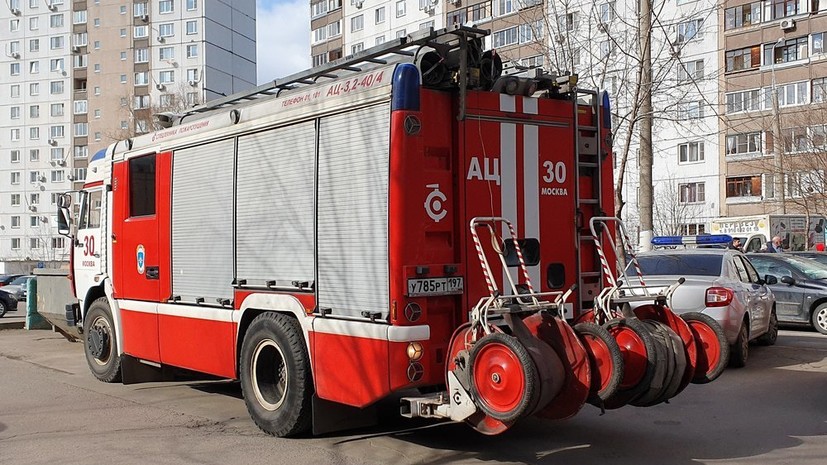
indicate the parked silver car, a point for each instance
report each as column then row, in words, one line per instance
column 801, row 290
column 18, row 287
column 721, row 283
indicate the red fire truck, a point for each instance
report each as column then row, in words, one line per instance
column 406, row 221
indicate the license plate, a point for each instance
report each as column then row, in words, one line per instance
column 435, row 286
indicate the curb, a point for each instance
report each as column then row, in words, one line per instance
column 12, row 325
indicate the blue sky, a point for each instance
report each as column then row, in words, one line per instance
column 283, row 37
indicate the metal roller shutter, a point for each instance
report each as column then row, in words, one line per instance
column 274, row 210
column 353, row 212
column 202, row 222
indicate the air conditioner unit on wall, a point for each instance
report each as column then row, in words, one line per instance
column 358, row 3
column 456, row 2
column 429, row 8
column 192, row 82
column 787, row 24
column 15, row 55
column 145, row 18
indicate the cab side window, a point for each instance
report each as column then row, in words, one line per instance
column 740, row 269
column 90, row 216
column 753, row 274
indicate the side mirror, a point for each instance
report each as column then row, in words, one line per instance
column 789, row 280
column 770, row 279
column 63, row 221
column 64, row 200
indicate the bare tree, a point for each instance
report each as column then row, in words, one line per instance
column 141, row 110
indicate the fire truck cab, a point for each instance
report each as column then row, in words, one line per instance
column 350, row 232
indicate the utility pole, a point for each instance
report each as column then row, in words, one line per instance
column 645, row 188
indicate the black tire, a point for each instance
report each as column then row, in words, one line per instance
column 712, row 373
column 819, row 319
column 531, row 389
column 739, row 352
column 623, row 396
column 769, row 338
column 596, row 394
column 100, row 342
column 664, row 367
column 275, row 374
column 3, row 308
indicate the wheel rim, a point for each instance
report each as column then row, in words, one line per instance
column 269, row 374
column 821, row 319
column 635, row 358
column 99, row 341
column 709, row 348
column 601, row 357
column 499, row 378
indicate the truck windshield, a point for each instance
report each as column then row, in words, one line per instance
column 679, row 264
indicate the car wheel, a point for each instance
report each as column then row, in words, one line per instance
column 769, row 338
column 739, row 352
column 100, row 342
column 275, row 375
column 3, row 309
column 819, row 319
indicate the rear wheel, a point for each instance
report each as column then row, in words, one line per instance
column 769, row 338
column 739, row 352
column 3, row 309
column 275, row 375
column 100, row 342
column 819, row 319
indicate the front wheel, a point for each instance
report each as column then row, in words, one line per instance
column 3, row 309
column 275, row 375
column 819, row 319
column 100, row 342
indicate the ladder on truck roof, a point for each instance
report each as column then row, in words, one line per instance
column 444, row 40
column 589, row 159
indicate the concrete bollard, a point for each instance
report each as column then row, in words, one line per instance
column 33, row 319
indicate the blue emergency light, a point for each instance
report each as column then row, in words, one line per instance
column 707, row 239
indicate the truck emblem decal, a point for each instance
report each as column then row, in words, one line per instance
column 435, row 203
column 140, row 255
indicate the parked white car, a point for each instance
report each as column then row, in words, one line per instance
column 721, row 283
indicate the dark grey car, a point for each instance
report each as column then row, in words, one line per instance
column 801, row 290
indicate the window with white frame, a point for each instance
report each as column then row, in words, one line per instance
column 567, row 22
column 14, row 112
column 818, row 43
column 56, row 109
column 743, row 143
column 34, row 133
column 34, row 177
column 34, row 111
column 34, row 155
column 606, row 12
column 34, row 199
column 57, row 175
column 56, row 43
column 58, row 243
column 81, row 129
column 691, row 152
column 192, row 74
column 14, row 156
column 400, row 8
column 15, row 222
column 34, row 23
column 166, row 30
column 34, row 67
column 14, row 25
column 166, row 6
column 80, row 151
column 379, row 15
column 81, row 107
column 79, row 174
column 141, row 101
column 56, row 65
column 606, row 48
column 803, row 183
column 379, row 40
column 56, row 154
column 357, row 23
column 166, row 77
column 690, row 71
column 14, row 69
column 80, row 61
column 56, row 87
column 34, row 88
column 319, row 34
column 790, row 94
column 139, row 9
column 14, row 134
column 192, row 5
column 141, row 55
column 140, row 32
column 743, row 186
column 788, row 51
column 15, row 177
column 56, row 132
column 15, row 200
column 79, row 17
column 141, row 78
column 56, row 20
column 34, row 45
column 319, row 59
column 192, row 27
column 689, row 30
column 192, row 51
column 166, row 53
column 356, row 48
column 747, row 100
column 318, row 9
column 401, row 33
column 504, row 7
column 690, row 110
column 334, row 29
column 33, row 222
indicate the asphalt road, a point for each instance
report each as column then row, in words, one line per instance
column 52, row 410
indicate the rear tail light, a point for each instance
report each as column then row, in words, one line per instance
column 718, row 297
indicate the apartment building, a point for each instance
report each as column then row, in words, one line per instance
column 774, row 85
column 597, row 41
column 76, row 76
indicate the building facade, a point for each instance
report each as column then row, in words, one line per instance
column 76, row 76
column 773, row 90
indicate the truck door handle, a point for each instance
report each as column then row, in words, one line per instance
column 152, row 272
